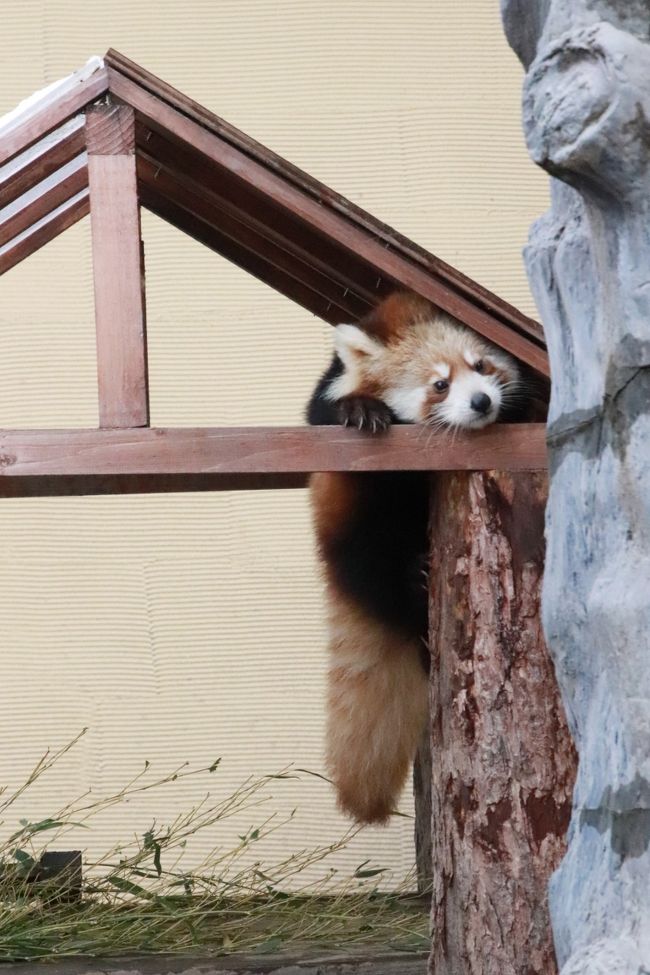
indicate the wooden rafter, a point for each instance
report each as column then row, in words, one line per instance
column 393, row 266
column 41, row 233
column 323, row 194
column 43, row 161
column 39, row 202
column 52, row 115
column 148, row 144
column 248, row 245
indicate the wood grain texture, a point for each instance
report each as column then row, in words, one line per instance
column 40, row 166
column 322, row 193
column 250, row 236
column 52, row 116
column 255, row 264
column 398, row 269
column 118, row 268
column 18, row 249
column 110, row 130
column 265, row 450
column 246, row 230
column 503, row 760
column 54, row 194
column 231, row 195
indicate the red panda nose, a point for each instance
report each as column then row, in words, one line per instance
column 481, row 402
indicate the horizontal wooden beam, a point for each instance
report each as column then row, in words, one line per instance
column 227, row 451
column 76, row 485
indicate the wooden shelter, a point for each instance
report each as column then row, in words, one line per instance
column 113, row 138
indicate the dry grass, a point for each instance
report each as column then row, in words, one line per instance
column 138, row 897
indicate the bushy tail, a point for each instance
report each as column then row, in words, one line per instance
column 377, row 707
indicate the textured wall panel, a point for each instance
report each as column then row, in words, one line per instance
column 184, row 627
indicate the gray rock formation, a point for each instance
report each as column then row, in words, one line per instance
column 587, row 122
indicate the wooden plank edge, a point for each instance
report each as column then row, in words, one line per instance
column 325, row 196
column 91, row 485
column 352, row 238
column 244, row 235
column 167, row 209
column 27, row 244
column 43, row 160
column 266, row 450
column 73, row 179
column 51, row 116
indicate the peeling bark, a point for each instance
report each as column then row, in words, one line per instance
column 503, row 761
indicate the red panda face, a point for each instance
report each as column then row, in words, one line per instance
column 466, row 392
column 434, row 371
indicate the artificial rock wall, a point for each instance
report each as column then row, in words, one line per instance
column 586, row 119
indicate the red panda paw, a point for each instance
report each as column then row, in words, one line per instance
column 364, row 413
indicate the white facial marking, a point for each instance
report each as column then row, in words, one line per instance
column 407, row 403
column 440, row 371
column 457, row 409
column 469, row 358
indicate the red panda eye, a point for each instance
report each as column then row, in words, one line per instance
column 441, row 385
column 479, row 366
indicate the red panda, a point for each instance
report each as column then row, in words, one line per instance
column 405, row 362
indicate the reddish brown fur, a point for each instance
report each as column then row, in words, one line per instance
column 395, row 314
column 377, row 686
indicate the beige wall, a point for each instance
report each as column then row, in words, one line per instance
column 183, row 627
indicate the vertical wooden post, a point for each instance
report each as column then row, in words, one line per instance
column 503, row 760
column 118, row 267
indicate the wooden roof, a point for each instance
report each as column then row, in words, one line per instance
column 112, row 138
column 240, row 199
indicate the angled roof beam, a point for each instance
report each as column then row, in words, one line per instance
column 52, row 109
column 45, row 230
column 248, row 237
column 390, row 237
column 42, row 199
column 261, row 268
column 42, row 160
column 393, row 265
column 118, row 267
column 248, row 207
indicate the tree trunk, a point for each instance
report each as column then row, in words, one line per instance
column 586, row 111
column 503, row 761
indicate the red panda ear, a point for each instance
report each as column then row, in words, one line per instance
column 352, row 344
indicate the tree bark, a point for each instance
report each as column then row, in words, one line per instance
column 503, row 761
